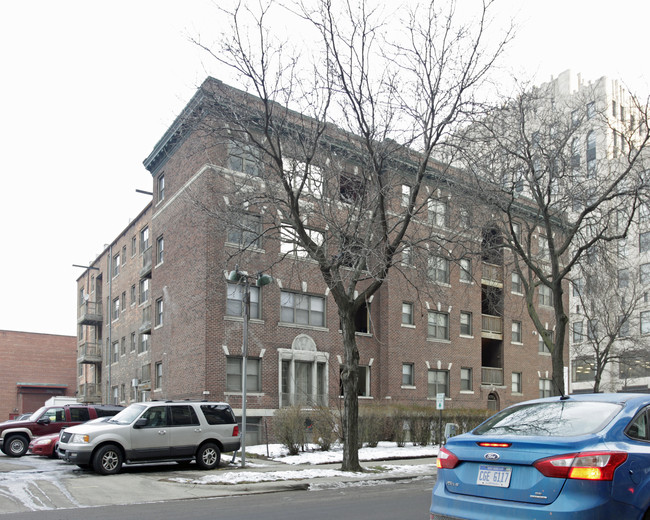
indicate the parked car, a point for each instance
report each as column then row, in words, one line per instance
column 578, row 457
column 47, row 445
column 16, row 435
column 180, row 431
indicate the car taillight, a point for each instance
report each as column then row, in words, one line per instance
column 446, row 459
column 235, row 431
column 597, row 465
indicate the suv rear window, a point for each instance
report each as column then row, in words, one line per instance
column 79, row 414
column 218, row 414
column 553, row 419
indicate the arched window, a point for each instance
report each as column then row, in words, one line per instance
column 493, row 402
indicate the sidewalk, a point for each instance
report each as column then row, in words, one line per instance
column 28, row 485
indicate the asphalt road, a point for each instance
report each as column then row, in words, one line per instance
column 387, row 501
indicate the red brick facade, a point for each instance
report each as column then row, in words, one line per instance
column 33, row 368
column 192, row 344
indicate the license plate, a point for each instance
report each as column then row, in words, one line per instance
column 497, row 476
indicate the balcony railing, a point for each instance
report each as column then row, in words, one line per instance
column 492, row 275
column 90, row 313
column 90, row 393
column 491, row 326
column 147, row 263
column 89, row 352
column 492, row 376
column 145, row 324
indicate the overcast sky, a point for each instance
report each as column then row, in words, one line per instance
column 89, row 87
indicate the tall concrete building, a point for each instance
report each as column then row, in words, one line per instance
column 159, row 317
column 609, row 302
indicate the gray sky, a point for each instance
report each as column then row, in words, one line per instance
column 90, row 86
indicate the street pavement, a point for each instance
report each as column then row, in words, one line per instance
column 35, row 483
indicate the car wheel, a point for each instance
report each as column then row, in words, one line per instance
column 16, row 445
column 208, row 456
column 108, row 460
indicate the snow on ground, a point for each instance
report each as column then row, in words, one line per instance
column 385, row 451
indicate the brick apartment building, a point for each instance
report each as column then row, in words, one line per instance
column 158, row 318
column 33, row 368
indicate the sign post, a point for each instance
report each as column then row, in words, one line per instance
column 440, row 406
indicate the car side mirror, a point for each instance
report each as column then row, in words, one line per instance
column 44, row 420
column 141, row 423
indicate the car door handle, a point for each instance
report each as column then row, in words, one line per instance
column 162, row 432
column 198, row 430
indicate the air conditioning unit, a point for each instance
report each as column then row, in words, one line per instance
column 134, row 382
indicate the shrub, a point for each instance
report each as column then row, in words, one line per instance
column 289, row 427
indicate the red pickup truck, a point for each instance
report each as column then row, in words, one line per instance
column 15, row 435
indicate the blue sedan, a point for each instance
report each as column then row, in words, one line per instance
column 570, row 457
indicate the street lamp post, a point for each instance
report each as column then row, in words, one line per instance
column 243, row 278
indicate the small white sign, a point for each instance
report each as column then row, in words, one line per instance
column 440, row 401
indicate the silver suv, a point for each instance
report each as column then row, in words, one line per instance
column 154, row 431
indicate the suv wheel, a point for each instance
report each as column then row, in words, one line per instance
column 16, row 445
column 108, row 460
column 208, row 456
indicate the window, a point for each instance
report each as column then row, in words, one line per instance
column 407, row 374
column 134, row 248
column 545, row 296
column 465, row 270
column 578, row 332
column 362, row 319
column 516, row 332
column 438, row 383
column 123, row 255
column 541, row 345
column 545, row 388
column 634, row 366
column 439, row 212
column 302, row 309
column 583, row 369
column 115, row 351
column 133, row 294
column 305, row 177
column 466, row 379
column 303, row 377
column 146, row 373
column 623, row 327
column 407, row 313
column 290, row 243
column 407, row 255
column 161, row 187
column 144, row 343
column 160, row 250
column 623, row 278
column 465, row 323
column 439, row 269
column 116, row 264
column 242, row 158
column 123, row 346
column 363, row 382
column 591, row 153
column 234, row 370
column 350, row 187
column 516, row 382
column 644, row 274
column 235, row 301
column 144, row 240
column 516, row 231
column 406, row 195
column 144, row 290
column 123, row 301
column 159, row 312
column 644, row 242
column 644, row 322
column 116, row 309
column 158, row 381
column 438, row 325
column 133, row 342
column 575, row 154
column 516, row 285
column 578, row 285
column 542, row 244
column 622, row 248
column 247, row 232
column 591, row 109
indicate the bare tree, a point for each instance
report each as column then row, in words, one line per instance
column 607, row 287
column 528, row 157
column 340, row 138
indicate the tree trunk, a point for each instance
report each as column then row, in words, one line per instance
column 349, row 376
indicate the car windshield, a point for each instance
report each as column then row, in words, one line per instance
column 128, row 415
column 553, row 419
